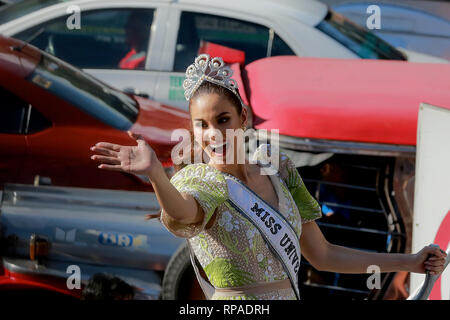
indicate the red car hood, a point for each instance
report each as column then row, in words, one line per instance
column 19, row 63
column 350, row 100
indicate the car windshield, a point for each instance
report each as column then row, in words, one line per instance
column 21, row 8
column 362, row 42
column 85, row 92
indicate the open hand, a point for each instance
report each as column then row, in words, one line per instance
column 140, row 159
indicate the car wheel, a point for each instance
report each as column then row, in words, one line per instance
column 179, row 281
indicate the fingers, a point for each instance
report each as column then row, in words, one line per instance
column 434, row 270
column 152, row 216
column 434, row 265
column 436, row 251
column 104, row 151
column 135, row 135
column 107, row 145
column 138, row 137
column 105, row 159
column 111, row 167
column 438, row 259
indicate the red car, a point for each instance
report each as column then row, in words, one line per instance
column 52, row 113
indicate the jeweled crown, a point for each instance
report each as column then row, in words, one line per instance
column 206, row 69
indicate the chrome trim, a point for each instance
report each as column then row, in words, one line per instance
column 347, row 147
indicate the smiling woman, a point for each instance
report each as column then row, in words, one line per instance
column 195, row 203
column 214, row 110
column 244, row 225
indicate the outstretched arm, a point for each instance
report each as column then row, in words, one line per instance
column 142, row 159
column 182, row 208
column 325, row 256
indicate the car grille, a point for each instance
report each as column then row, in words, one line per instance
column 358, row 189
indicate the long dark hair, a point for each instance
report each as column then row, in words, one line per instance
column 209, row 88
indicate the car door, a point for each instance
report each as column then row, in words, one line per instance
column 188, row 26
column 117, row 44
column 431, row 222
column 13, row 147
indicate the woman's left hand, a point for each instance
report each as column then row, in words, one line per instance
column 430, row 258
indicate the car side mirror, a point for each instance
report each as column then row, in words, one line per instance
column 229, row 55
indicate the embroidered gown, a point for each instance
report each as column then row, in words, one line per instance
column 232, row 251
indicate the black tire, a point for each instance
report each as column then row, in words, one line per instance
column 179, row 281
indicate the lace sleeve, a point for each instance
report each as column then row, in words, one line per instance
column 209, row 190
column 308, row 207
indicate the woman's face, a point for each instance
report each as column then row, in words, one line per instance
column 211, row 116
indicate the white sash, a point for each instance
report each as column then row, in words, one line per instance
column 273, row 226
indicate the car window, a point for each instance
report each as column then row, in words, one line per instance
column 107, row 39
column 254, row 39
column 360, row 41
column 21, row 8
column 85, row 92
column 280, row 48
column 249, row 37
column 37, row 122
column 13, row 112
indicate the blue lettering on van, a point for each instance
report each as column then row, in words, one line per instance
column 115, row 239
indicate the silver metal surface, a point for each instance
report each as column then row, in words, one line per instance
column 320, row 145
column 92, row 226
column 424, row 290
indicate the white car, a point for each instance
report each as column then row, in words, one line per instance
column 406, row 25
column 144, row 46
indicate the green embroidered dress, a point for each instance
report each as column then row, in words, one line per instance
column 232, row 252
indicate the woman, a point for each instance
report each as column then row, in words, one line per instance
column 232, row 250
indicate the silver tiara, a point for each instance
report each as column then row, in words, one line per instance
column 206, row 69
